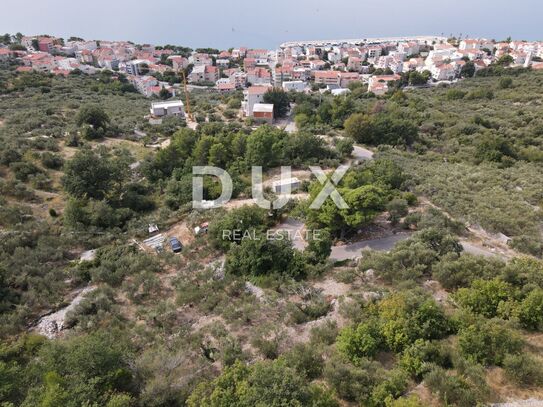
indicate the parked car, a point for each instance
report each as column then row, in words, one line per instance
column 175, row 244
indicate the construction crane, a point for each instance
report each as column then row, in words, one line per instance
column 187, row 98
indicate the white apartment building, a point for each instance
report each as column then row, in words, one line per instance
column 169, row 108
column 297, row 86
column 252, row 96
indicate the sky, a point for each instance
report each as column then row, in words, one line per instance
column 265, row 24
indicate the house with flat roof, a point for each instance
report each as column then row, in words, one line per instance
column 263, row 112
column 168, row 108
column 286, row 185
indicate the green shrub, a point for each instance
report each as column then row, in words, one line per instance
column 306, row 360
column 505, row 83
column 488, row 342
column 420, row 357
column 484, row 297
column 453, row 390
column 523, row 370
column 530, row 311
column 359, row 342
column 455, row 94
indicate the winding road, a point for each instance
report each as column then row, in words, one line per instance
column 353, row 251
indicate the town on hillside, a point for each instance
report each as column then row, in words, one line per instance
column 305, row 66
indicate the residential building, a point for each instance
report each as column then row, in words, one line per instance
column 379, row 84
column 355, row 64
column 200, row 59
column 252, row 96
column 374, row 52
column 224, row 63
column 249, row 63
column 409, row 48
column 327, row 77
column 41, row 61
column 469, row 44
column 258, row 76
column 168, row 108
column 444, row 72
column 5, row 54
column 204, row 73
column 27, row 42
column 345, row 78
column 178, row 62
column 286, row 185
column 239, row 79
column 45, row 44
column 282, row 74
column 137, row 67
column 225, row 87
column 144, row 84
column 297, row 86
column 263, row 112
column 239, row 53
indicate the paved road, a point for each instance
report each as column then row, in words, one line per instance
column 354, row 250
column 296, row 231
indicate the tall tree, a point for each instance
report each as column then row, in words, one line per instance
column 280, row 100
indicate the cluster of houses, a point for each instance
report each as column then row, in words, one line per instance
column 294, row 66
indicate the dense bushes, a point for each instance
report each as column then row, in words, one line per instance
column 488, row 342
column 402, row 318
column 524, row 370
column 380, row 129
column 93, row 369
column 266, row 383
column 413, row 257
column 230, row 148
column 485, row 297
column 260, row 257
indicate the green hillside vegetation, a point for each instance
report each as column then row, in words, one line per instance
column 237, row 322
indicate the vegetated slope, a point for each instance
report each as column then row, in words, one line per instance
column 424, row 324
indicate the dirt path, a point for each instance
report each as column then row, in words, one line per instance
column 480, row 242
column 236, row 203
column 51, row 325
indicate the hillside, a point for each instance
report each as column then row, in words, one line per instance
column 426, row 291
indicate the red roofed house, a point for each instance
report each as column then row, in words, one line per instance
column 249, row 63
column 443, row 72
column 5, row 54
column 378, row 84
column 468, row 44
column 204, row 73
column 327, row 77
column 40, row 61
column 345, row 78
column 178, row 62
column 224, row 87
column 45, row 44
column 258, row 76
column 354, row 64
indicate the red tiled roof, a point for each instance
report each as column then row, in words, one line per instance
column 326, row 74
column 226, row 86
column 257, row 90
